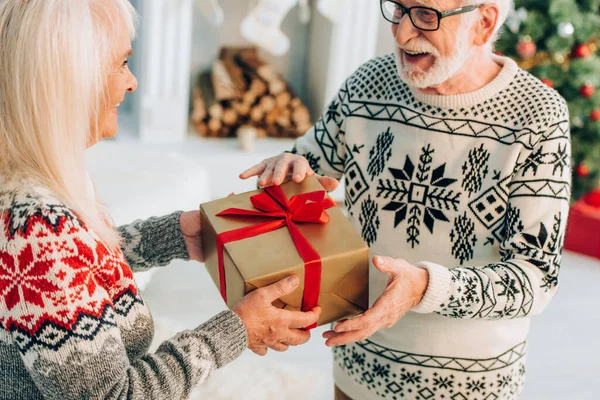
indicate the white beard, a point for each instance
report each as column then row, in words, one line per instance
column 443, row 68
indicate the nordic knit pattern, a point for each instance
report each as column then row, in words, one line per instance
column 475, row 188
column 73, row 324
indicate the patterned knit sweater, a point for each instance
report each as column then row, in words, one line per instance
column 73, row 324
column 473, row 187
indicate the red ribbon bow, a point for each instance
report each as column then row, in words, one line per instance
column 273, row 203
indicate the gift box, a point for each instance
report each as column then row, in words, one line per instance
column 254, row 239
column 583, row 228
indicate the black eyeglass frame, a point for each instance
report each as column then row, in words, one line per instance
column 440, row 14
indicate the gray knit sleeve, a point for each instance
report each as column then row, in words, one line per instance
column 99, row 368
column 153, row 242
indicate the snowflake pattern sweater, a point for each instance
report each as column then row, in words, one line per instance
column 475, row 188
column 73, row 324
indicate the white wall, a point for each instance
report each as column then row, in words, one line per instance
column 385, row 40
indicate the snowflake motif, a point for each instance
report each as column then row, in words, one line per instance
column 543, row 249
column 25, row 279
column 504, row 381
column 443, row 382
column 333, row 113
column 380, row 370
column 559, row 160
column 419, row 195
column 475, row 170
column 369, row 220
column 463, row 238
column 410, row 378
column 380, row 153
column 358, row 358
column 476, row 385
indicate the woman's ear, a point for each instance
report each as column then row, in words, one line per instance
column 485, row 26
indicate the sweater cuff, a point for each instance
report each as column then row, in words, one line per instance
column 163, row 240
column 229, row 336
column 438, row 289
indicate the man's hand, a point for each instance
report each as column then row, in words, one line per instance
column 191, row 230
column 269, row 326
column 283, row 168
column 406, row 286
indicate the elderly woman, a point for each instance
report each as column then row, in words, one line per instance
column 73, row 324
column 457, row 173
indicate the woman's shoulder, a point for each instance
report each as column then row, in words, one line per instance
column 25, row 205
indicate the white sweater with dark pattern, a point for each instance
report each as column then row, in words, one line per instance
column 73, row 324
column 473, row 187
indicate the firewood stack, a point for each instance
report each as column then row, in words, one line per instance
column 242, row 90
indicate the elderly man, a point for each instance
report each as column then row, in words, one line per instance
column 457, row 171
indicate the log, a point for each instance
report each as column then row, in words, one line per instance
column 201, row 128
column 272, row 116
column 283, row 99
column 241, row 108
column 277, row 86
column 236, row 73
column 258, row 87
column 230, row 117
column 249, row 98
column 223, row 86
column 267, row 103
column 214, row 126
column 199, row 111
column 257, row 114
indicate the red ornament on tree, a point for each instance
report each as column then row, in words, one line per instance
column 587, row 90
column 582, row 170
column 595, row 115
column 526, row 49
column 548, row 82
column 582, row 51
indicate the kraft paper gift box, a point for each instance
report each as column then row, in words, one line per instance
column 339, row 286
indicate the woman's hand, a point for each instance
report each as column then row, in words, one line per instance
column 406, row 287
column 286, row 167
column 191, row 230
column 269, row 326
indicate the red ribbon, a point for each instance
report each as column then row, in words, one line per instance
column 273, row 203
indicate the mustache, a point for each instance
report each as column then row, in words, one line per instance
column 420, row 46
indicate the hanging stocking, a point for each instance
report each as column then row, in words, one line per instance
column 212, row 11
column 262, row 25
column 332, row 9
column 304, row 13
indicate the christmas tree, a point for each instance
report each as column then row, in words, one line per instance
column 557, row 41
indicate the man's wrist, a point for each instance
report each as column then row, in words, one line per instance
column 420, row 284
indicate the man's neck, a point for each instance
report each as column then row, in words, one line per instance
column 478, row 71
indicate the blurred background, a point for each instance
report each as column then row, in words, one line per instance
column 224, row 84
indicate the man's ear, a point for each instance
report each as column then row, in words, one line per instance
column 486, row 24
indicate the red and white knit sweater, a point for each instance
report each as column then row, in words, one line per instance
column 72, row 322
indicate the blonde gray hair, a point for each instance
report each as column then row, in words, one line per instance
column 54, row 61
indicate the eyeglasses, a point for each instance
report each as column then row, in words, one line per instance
column 423, row 18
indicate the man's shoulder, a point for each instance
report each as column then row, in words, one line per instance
column 540, row 101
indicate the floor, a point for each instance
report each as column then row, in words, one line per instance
column 564, row 354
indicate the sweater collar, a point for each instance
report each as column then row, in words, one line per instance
column 464, row 100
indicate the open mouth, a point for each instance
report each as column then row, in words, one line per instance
column 415, row 55
column 116, row 109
